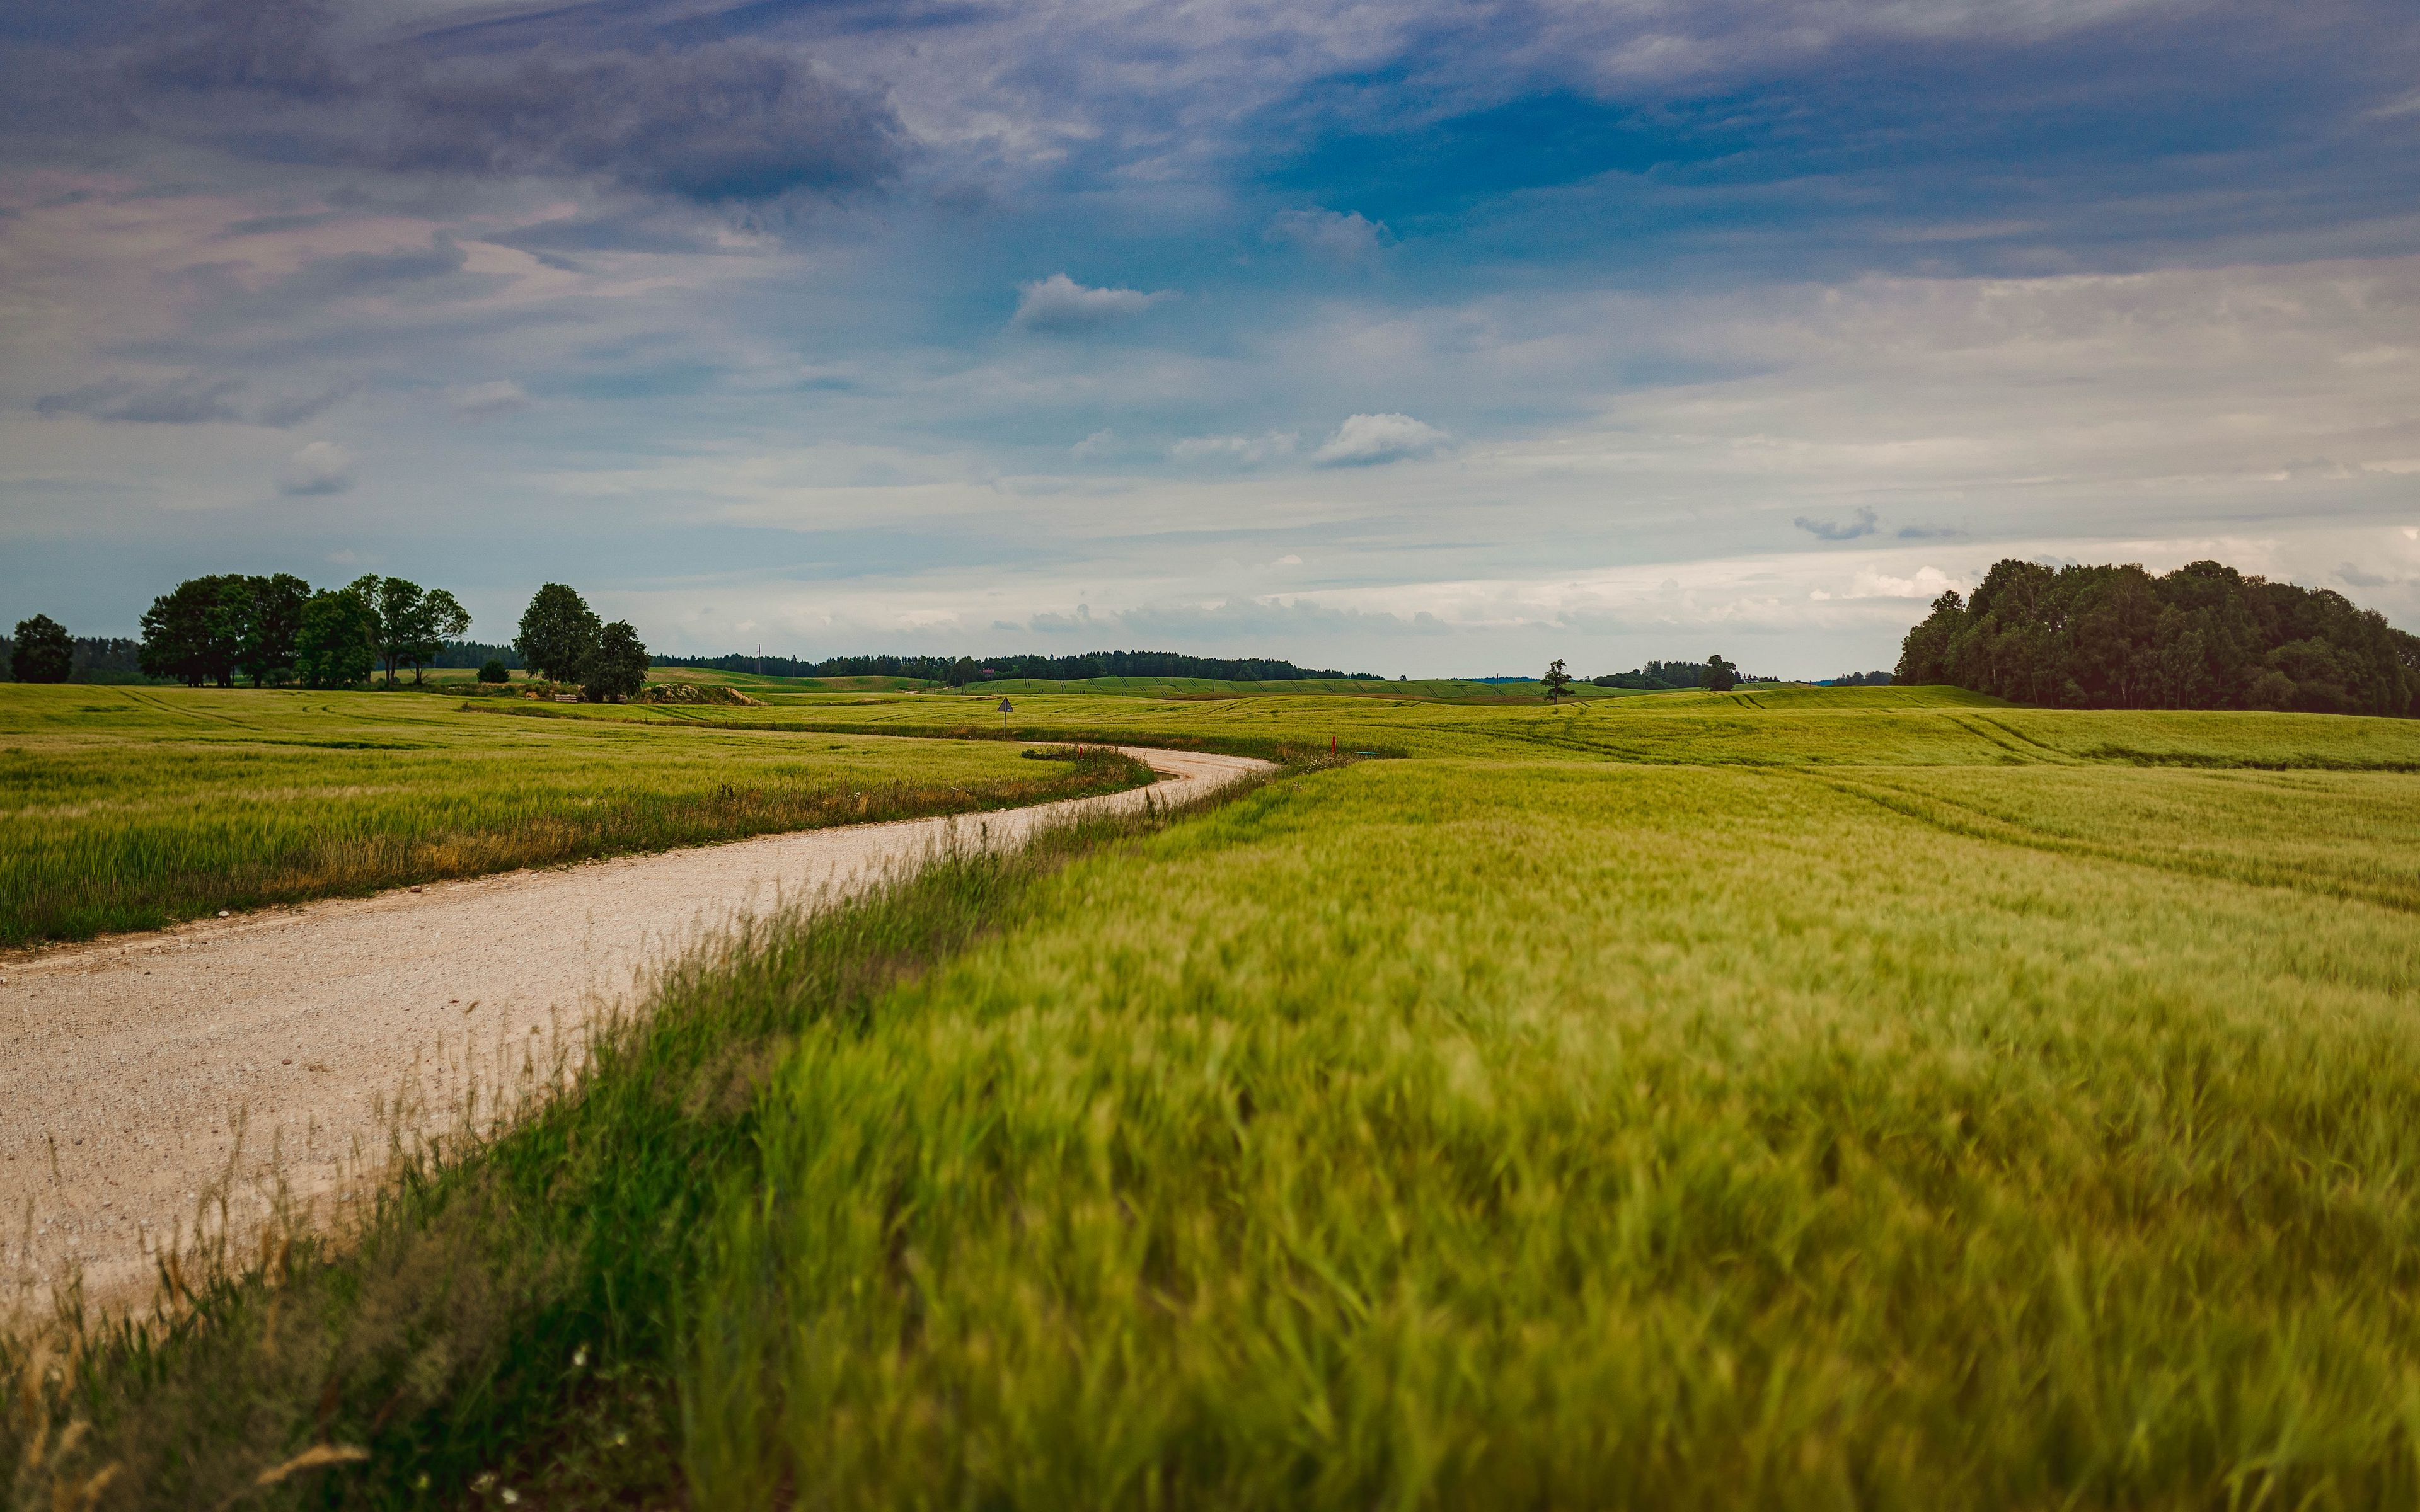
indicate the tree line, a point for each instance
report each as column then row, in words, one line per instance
column 957, row 672
column 276, row 630
column 2202, row 637
column 1714, row 674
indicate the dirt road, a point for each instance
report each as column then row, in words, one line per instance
column 145, row 1073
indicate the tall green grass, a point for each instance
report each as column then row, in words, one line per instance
column 500, row 1325
column 1880, row 1102
column 1770, row 727
column 128, row 809
column 1449, row 1135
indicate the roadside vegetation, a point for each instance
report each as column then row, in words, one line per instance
column 1877, row 1096
column 128, row 807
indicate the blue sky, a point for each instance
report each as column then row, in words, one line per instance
column 1426, row 338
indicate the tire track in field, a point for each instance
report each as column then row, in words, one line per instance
column 1971, row 821
column 151, row 1075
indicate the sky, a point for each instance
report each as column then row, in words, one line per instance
column 1438, row 339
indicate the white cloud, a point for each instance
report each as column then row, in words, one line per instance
column 1348, row 238
column 1289, row 560
column 1246, row 450
column 485, row 401
column 1059, row 303
column 1925, row 583
column 319, row 468
column 1366, row 440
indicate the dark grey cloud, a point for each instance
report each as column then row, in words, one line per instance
column 355, row 272
column 1827, row 530
column 268, row 47
column 730, row 122
column 1929, row 533
column 2355, row 578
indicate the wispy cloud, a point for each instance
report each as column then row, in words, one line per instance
column 488, row 400
column 1862, row 523
column 316, row 468
column 1059, row 303
column 1345, row 236
column 1368, row 441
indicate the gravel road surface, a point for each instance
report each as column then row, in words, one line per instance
column 146, row 1075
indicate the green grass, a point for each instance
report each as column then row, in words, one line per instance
column 1871, row 1097
column 1446, row 688
column 131, row 808
column 1781, row 727
column 1439, row 1134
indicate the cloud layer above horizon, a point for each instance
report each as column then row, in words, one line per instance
column 1408, row 337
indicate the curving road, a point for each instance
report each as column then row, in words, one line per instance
column 148, row 1075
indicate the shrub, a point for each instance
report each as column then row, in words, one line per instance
column 495, row 671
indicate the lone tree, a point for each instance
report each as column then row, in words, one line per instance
column 558, row 631
column 1721, row 676
column 338, row 644
column 1559, row 682
column 43, row 652
column 617, row 667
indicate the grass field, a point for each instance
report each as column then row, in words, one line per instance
column 125, row 808
column 1442, row 689
column 1788, row 726
column 1872, row 1097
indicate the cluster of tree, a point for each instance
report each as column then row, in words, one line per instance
column 1714, row 673
column 458, row 653
column 1858, row 680
column 959, row 670
column 33, row 655
column 2203, row 637
column 561, row 638
column 274, row 630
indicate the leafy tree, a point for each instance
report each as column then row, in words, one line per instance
column 269, row 626
column 1558, row 681
column 557, row 632
column 2203, row 637
column 495, row 671
column 41, row 650
column 193, row 633
column 617, row 665
column 439, row 618
column 338, row 644
column 1720, row 675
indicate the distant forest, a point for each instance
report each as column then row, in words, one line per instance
column 2203, row 637
column 959, row 670
column 1660, row 676
column 97, row 659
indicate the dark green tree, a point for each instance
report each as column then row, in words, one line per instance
column 1559, row 682
column 2203, row 637
column 557, row 632
column 270, row 624
column 338, row 644
column 494, row 670
column 193, row 633
column 1720, row 676
column 435, row 619
column 617, row 665
column 42, row 651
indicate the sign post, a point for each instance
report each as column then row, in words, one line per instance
column 1006, row 708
